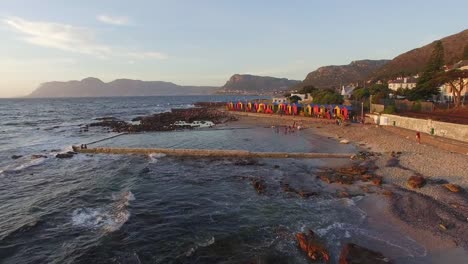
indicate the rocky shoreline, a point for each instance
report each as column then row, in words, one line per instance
column 424, row 188
column 205, row 112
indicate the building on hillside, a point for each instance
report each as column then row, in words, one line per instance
column 403, row 83
column 280, row 100
column 347, row 91
column 446, row 93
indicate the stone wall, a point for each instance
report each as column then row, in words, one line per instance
column 442, row 129
column 214, row 153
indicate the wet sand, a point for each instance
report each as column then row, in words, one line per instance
column 434, row 217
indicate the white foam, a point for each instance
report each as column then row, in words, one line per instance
column 206, row 243
column 106, row 219
column 25, row 165
column 155, row 156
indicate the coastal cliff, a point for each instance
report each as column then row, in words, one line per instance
column 252, row 84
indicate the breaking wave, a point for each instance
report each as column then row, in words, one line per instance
column 105, row 219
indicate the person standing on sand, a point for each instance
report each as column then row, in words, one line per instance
column 418, row 137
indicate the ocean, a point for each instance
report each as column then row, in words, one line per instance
column 159, row 209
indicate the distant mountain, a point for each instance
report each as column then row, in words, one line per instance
column 335, row 75
column 415, row 60
column 93, row 87
column 252, row 84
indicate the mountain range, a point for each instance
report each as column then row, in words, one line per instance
column 333, row 76
column 94, row 87
column 414, row 61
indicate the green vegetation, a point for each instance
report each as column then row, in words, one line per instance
column 360, row 94
column 308, row 89
column 378, row 92
column 390, row 109
column 294, row 99
column 427, row 85
column 327, row 96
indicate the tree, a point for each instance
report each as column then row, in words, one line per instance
column 426, row 86
column 307, row 89
column 327, row 96
column 361, row 93
column 294, row 99
column 457, row 80
column 378, row 92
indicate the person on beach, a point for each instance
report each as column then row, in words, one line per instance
column 418, row 137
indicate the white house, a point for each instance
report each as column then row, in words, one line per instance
column 280, row 100
column 403, row 83
column 446, row 93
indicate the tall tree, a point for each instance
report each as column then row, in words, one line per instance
column 427, row 85
column 457, row 80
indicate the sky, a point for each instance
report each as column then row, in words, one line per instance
column 204, row 42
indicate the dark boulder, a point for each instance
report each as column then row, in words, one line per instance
column 145, row 170
column 416, row 181
column 354, row 254
column 64, row 156
column 16, row 156
column 311, row 244
column 259, row 185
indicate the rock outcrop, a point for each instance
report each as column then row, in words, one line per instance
column 310, row 243
column 416, row 181
column 166, row 121
column 354, row 254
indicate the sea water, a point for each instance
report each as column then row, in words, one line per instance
column 161, row 209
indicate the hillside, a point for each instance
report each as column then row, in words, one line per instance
column 414, row 61
column 252, row 84
column 93, row 87
column 335, row 75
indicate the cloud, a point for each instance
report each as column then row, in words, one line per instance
column 113, row 20
column 72, row 39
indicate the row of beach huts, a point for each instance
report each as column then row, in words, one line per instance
column 329, row 111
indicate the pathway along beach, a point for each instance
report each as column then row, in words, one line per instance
column 435, row 214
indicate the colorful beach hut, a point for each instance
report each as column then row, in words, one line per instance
column 261, row 108
column 240, row 106
column 231, row 106
column 309, row 109
column 282, row 108
column 269, row 109
column 322, row 110
column 249, row 106
column 337, row 111
column 346, row 112
column 316, row 109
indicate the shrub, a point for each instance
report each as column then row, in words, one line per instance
column 390, row 109
column 416, row 106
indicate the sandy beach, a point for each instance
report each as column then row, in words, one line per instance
column 432, row 215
